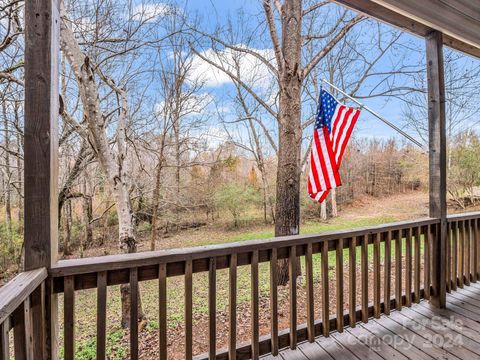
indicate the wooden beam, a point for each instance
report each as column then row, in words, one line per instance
column 42, row 35
column 406, row 22
column 460, row 19
column 41, row 142
column 437, row 161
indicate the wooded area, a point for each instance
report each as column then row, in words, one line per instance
column 148, row 145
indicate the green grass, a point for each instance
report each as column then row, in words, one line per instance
column 308, row 228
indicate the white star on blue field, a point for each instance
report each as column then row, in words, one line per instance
column 326, row 109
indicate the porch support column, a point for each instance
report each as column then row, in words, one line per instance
column 437, row 163
column 42, row 38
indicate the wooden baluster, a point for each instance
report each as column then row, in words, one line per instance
column 232, row 295
column 408, row 268
column 212, row 309
column 274, row 301
column 37, row 316
column 454, row 227
column 467, row 249
column 339, row 284
column 448, row 274
column 325, row 288
column 188, row 309
column 476, row 223
column 426, row 261
column 101, row 314
column 69, row 317
column 162, row 311
column 398, row 270
column 352, row 282
column 310, row 305
column 376, row 275
column 28, row 328
column 474, row 255
column 254, row 303
column 461, row 253
column 364, row 277
column 416, row 274
column 292, row 273
column 4, row 340
column 21, row 332
column 387, row 272
column 134, row 313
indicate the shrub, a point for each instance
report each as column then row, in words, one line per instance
column 236, row 199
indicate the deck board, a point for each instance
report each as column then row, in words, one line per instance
column 376, row 344
column 418, row 332
column 314, row 351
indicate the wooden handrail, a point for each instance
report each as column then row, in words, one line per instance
column 85, row 270
column 14, row 293
column 124, row 261
column 22, row 309
column 463, row 216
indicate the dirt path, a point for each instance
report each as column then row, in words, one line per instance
column 402, row 206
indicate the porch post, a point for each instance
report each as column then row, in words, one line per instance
column 437, row 163
column 42, row 30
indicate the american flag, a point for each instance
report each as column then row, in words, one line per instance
column 333, row 128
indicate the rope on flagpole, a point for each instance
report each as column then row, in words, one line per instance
column 378, row 116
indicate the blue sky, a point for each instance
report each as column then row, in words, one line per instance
column 212, row 14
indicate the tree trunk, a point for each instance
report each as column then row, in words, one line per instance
column 287, row 213
column 111, row 160
column 156, row 199
column 333, row 197
column 8, row 182
column 323, row 210
column 264, row 203
column 267, row 200
column 19, row 170
column 67, row 236
column 176, row 130
column 88, row 220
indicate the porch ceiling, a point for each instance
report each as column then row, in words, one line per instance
column 458, row 20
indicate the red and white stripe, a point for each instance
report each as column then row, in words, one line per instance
column 327, row 152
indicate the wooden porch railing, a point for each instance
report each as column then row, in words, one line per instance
column 463, row 250
column 21, row 309
column 404, row 239
column 398, row 266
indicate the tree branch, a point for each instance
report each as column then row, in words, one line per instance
column 273, row 34
column 315, row 7
column 240, row 49
column 322, row 53
column 235, row 78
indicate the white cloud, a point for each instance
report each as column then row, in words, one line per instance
column 151, row 12
column 223, row 109
column 252, row 70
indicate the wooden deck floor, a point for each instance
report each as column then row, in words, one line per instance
column 418, row 332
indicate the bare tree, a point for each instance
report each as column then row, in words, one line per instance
column 248, row 114
column 290, row 69
column 113, row 159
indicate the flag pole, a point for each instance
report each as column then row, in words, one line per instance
column 378, row 116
